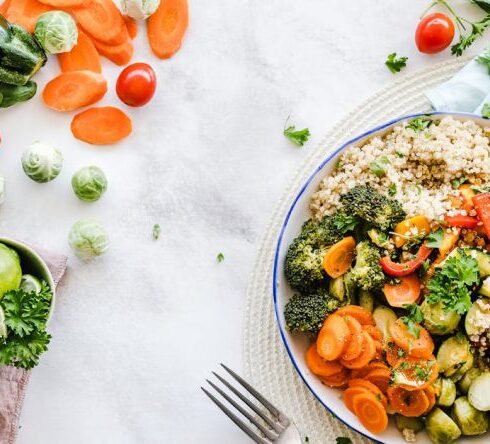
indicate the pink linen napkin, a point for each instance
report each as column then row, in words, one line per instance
column 13, row 381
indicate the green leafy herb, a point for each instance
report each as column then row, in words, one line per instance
column 345, row 222
column 398, row 154
column 483, row 4
column 419, row 124
column 434, row 239
column 485, row 111
column 456, row 183
column 453, row 281
column 378, row 167
column 156, row 231
column 392, row 190
column 396, row 64
column 424, row 267
column 298, row 137
column 412, row 318
column 465, row 41
column 343, row 440
column 220, row 257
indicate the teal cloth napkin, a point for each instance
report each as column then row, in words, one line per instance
column 467, row 91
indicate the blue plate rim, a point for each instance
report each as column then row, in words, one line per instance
column 276, row 266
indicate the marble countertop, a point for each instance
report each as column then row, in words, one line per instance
column 136, row 332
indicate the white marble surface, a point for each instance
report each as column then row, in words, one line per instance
column 136, row 332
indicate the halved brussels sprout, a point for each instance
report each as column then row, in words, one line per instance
column 441, row 428
column 470, row 420
column 10, row 271
column 404, row 423
column 42, row 162
column 366, row 300
column 56, row 31
column 89, row 183
column 437, row 320
column 139, row 9
column 479, row 392
column 445, row 392
column 478, row 317
column 350, row 288
column 384, row 317
column 454, row 357
column 468, row 378
column 336, row 288
column 88, row 239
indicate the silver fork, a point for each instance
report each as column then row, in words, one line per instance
column 274, row 427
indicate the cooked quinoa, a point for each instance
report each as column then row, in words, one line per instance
column 418, row 167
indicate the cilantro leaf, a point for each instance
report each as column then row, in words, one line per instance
column 298, row 137
column 378, row 167
column 412, row 319
column 434, row 239
column 395, row 64
column 419, row 124
column 485, row 111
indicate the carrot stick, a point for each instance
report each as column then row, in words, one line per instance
column 320, row 366
column 339, row 257
column 101, row 126
column 406, row 291
column 103, row 21
column 73, row 90
column 333, row 338
column 354, row 348
column 132, row 26
column 421, row 347
column 370, row 412
column 119, row 54
column 25, row 13
column 167, row 27
column 408, row 403
column 368, row 352
column 363, row 316
column 83, row 56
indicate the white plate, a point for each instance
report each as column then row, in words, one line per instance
column 296, row 345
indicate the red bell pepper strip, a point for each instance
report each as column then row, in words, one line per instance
column 404, row 269
column 482, row 206
column 461, row 221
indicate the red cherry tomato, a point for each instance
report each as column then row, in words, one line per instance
column 435, row 32
column 136, row 84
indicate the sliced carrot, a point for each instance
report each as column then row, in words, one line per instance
column 83, row 56
column 4, row 6
column 333, row 338
column 374, row 332
column 371, row 387
column 412, row 226
column 415, row 373
column 26, row 12
column 368, row 352
column 73, row 90
column 354, row 347
column 421, row 347
column 339, row 257
column 380, row 377
column 363, row 316
column 103, row 21
column 349, row 394
column 408, row 403
column 371, row 412
column 405, row 291
column 362, row 372
column 338, row 380
column 431, row 396
column 394, row 353
column 320, row 366
column 102, row 126
column 119, row 54
column 63, row 4
column 131, row 26
column 167, row 27
column 379, row 350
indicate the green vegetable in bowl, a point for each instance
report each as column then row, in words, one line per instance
column 445, row 392
column 88, row 239
column 12, row 94
column 479, row 391
column 478, row 317
column 10, row 271
column 89, row 183
column 454, row 357
column 56, row 31
column 384, row 317
column 30, row 284
column 470, row 420
column 441, row 428
column 468, row 378
column 42, row 162
column 139, row 9
column 437, row 320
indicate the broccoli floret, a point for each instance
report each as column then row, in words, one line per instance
column 306, row 313
column 373, row 207
column 367, row 272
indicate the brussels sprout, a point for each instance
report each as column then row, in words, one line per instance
column 2, row 190
column 470, row 420
column 468, row 378
column 384, row 317
column 56, row 31
column 479, row 392
column 441, row 428
column 89, row 183
column 404, row 422
column 10, row 271
column 350, row 288
column 139, row 9
column 437, row 320
column 88, row 239
column 454, row 357
column 42, row 162
column 366, row 300
column 336, row 288
column 445, row 392
column 478, row 317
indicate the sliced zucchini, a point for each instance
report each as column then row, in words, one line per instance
column 441, row 428
column 336, row 288
column 470, row 420
column 478, row 317
column 384, row 317
column 468, row 378
column 479, row 392
column 366, row 300
column 485, row 288
column 454, row 357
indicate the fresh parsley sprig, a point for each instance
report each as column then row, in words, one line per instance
column 298, row 137
column 395, row 64
column 413, row 317
column 485, row 111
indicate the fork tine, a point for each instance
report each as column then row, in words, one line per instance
column 275, row 425
column 267, row 432
column 283, row 419
column 246, row 429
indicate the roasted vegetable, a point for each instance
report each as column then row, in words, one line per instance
column 384, row 317
column 454, row 357
column 20, row 55
column 479, row 392
column 437, row 320
column 441, row 428
column 470, row 420
column 445, row 392
column 468, row 378
column 406, row 423
column 367, row 272
column 12, row 94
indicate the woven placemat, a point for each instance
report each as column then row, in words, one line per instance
column 266, row 362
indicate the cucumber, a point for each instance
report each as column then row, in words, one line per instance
column 384, row 317
column 485, row 288
column 8, row 75
column 366, row 300
column 479, row 392
column 12, row 94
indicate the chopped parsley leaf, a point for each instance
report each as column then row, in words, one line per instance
column 456, row 183
column 412, row 318
column 392, row 190
column 395, row 64
column 434, row 239
column 298, row 137
column 378, row 167
column 156, row 231
column 419, row 124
